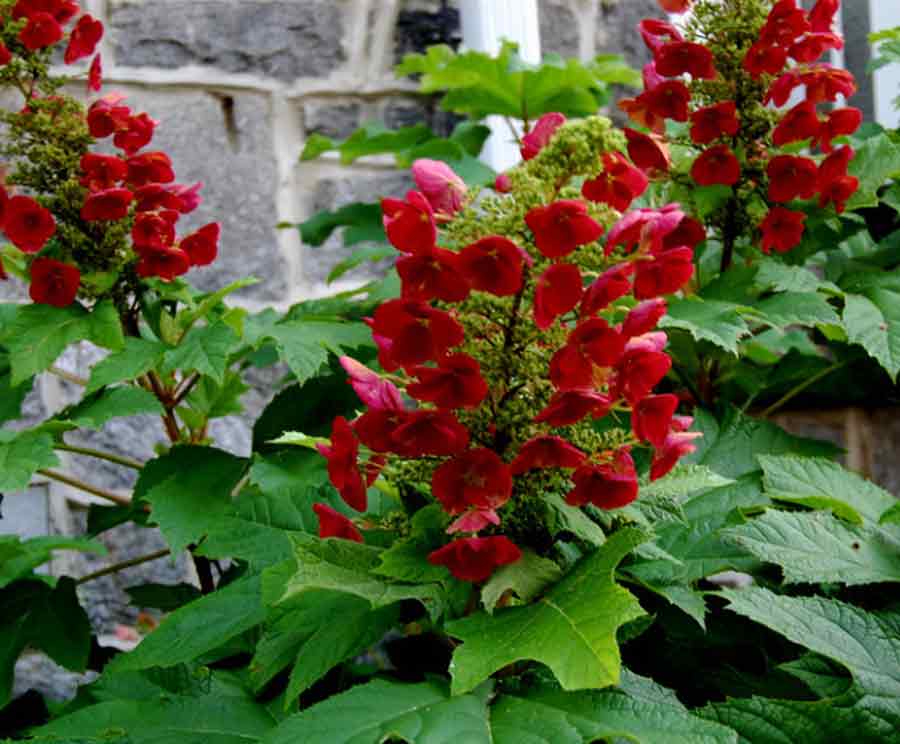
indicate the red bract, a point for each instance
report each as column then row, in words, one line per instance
column 669, row 100
column 541, row 134
column 376, row 393
column 568, row 407
column 716, row 166
column 592, row 344
column 675, row 6
column 712, row 122
column 53, row 283
column 409, row 224
column 432, row 274
column 27, row 224
column 343, row 471
column 5, row 54
column 840, row 122
column 812, row 46
column 83, row 39
column 137, row 133
column 826, row 83
column 786, row 23
column 647, row 228
column 106, row 205
column 680, row 57
column 644, row 317
column 781, row 89
column 418, row 332
column 821, row 17
column 153, row 196
column 3, row 275
column 557, row 291
column 688, row 233
column 62, row 10
column 647, row 152
column 335, row 524
column 152, row 232
column 561, row 227
column 619, row 184
column 790, row 177
column 202, row 246
column 475, row 558
column 608, row 486
column 455, row 383
column 102, row 172
column 546, row 452
column 474, row 520
column 443, row 189
column 493, row 264
column 95, row 74
column 106, row 116
column 476, row 479
column 652, row 417
column 835, row 186
column 41, row 30
column 639, row 372
column 782, row 229
column 677, row 444
column 167, row 263
column 376, row 427
column 430, row 433
column 800, row 123
column 606, row 289
column 668, row 272
column 149, row 167
column 657, row 33
column 763, row 58
column 639, row 111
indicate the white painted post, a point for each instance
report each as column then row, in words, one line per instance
column 884, row 15
column 485, row 25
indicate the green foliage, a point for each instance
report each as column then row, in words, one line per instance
column 19, row 557
column 21, row 455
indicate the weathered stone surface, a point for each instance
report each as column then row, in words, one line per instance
column 560, row 33
column 13, row 290
column 884, row 441
column 37, row 671
column 333, row 119
column 332, row 193
column 422, row 23
column 617, row 22
column 408, row 111
column 280, row 39
column 226, row 142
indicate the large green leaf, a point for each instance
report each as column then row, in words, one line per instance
column 718, row 322
column 11, row 396
column 199, row 627
column 798, row 308
column 868, row 644
column 360, row 217
column 684, row 481
column 874, row 162
column 21, row 455
column 305, row 344
column 18, row 557
column 40, row 333
column 99, row 408
column 189, row 488
column 383, row 711
column 203, row 349
column 872, row 320
column 580, row 717
column 822, row 484
column 137, row 358
column 572, row 629
column 817, row 547
column 525, row 579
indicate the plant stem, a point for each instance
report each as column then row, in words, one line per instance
column 788, row 396
column 68, row 376
column 86, row 487
column 165, row 398
column 182, row 391
column 116, row 567
column 109, row 456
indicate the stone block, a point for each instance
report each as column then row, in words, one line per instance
column 560, row 32
column 332, row 193
column 275, row 38
column 409, row 111
column 421, row 23
column 884, row 443
column 333, row 119
column 226, row 141
column 13, row 290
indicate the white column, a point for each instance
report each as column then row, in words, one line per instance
column 485, row 25
column 885, row 14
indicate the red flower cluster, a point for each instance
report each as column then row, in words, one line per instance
column 45, row 24
column 790, row 35
column 441, row 370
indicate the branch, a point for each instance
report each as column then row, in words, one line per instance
column 788, row 396
column 116, row 567
column 100, row 455
column 86, row 487
column 68, row 376
column 182, row 391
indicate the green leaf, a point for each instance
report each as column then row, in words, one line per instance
column 34, row 614
column 710, row 199
column 11, row 396
column 872, row 320
column 798, row 308
column 687, row 600
column 204, row 350
column 206, row 303
column 720, row 323
column 874, row 162
column 103, row 406
column 358, row 216
column 778, row 277
column 525, row 579
column 305, row 344
column 21, row 455
column 316, row 145
column 163, row 597
column 891, row 515
column 817, row 547
column 19, row 557
column 684, row 481
column 137, row 358
column 868, row 644
column 380, row 711
column 198, row 627
column 612, row 68
column 566, row 518
column 572, row 629
column 824, row 677
column 189, row 488
column 374, row 139
column 370, row 253
column 408, row 561
column 40, row 333
column 824, row 484
column 578, row 717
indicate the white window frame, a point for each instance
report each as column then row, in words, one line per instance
column 885, row 14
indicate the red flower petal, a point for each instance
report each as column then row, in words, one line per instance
column 434, row 433
column 106, row 205
column 717, row 165
column 608, row 486
column 557, row 291
column 782, row 230
column 547, row 452
column 646, row 151
column 477, row 478
column 409, row 224
column 800, row 123
column 790, row 177
column 561, row 227
column 376, row 393
column 202, row 246
column 680, row 57
column 455, row 383
column 606, row 289
column 432, row 274
column 493, row 264
column 570, row 406
column 343, row 470
column 335, row 524
column 541, row 134
column 84, row 39
column 652, row 417
column 166, row 263
column 53, row 283
column 475, row 558
column 27, row 224
column 644, row 317
column 712, row 122
column 41, row 30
